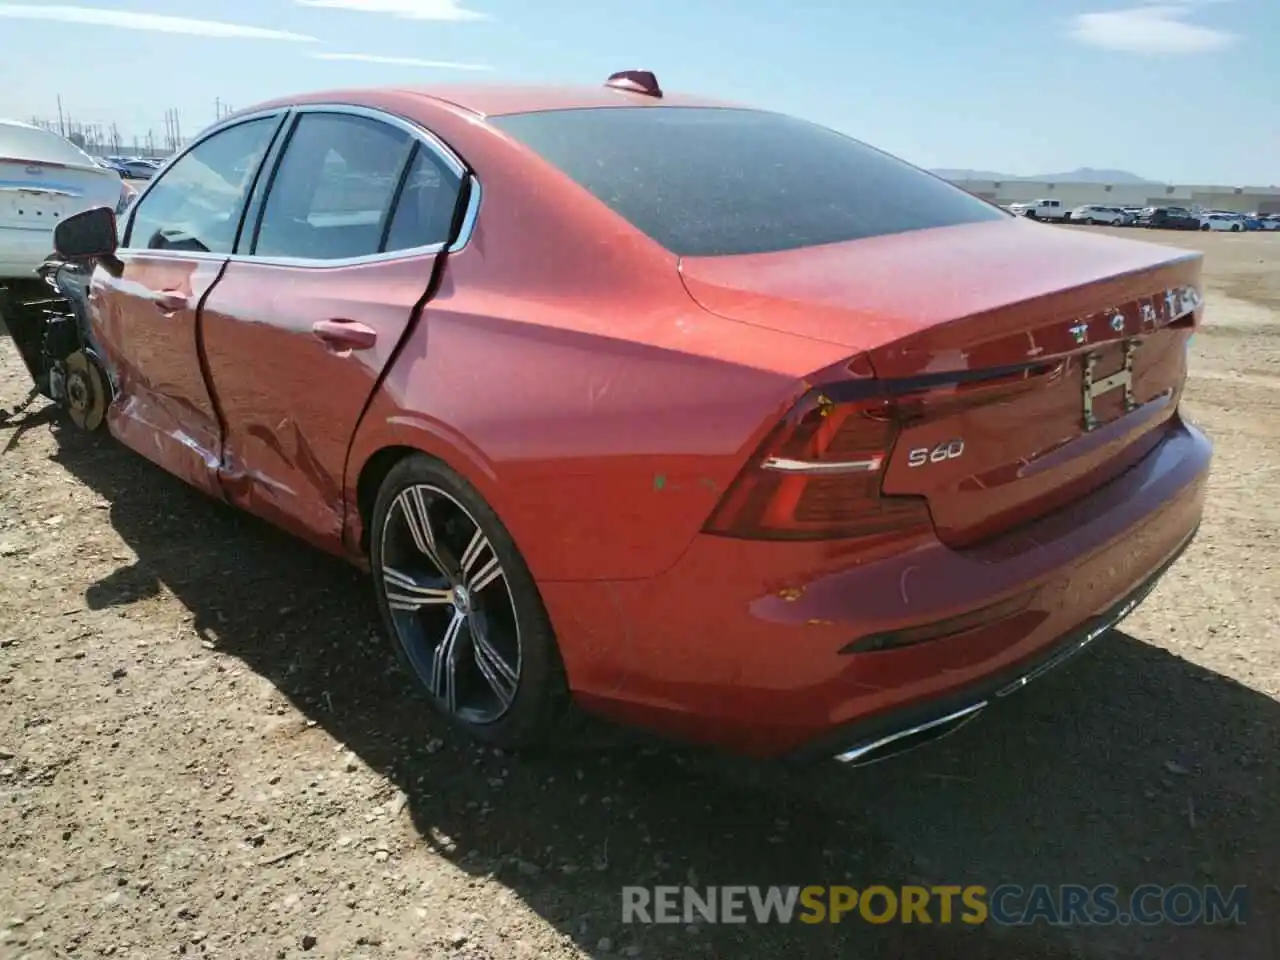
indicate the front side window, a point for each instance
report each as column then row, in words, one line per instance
column 196, row 205
column 708, row 181
column 334, row 187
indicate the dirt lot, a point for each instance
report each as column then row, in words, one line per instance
column 205, row 750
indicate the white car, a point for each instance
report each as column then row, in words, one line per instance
column 44, row 179
column 1231, row 222
column 1041, row 210
column 1095, row 213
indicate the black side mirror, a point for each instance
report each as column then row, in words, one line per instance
column 87, row 234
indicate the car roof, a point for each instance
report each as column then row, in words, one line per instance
column 5, row 122
column 488, row 100
column 494, row 99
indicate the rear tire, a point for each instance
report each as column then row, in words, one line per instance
column 461, row 607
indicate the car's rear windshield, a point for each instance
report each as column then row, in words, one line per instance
column 20, row 142
column 709, row 181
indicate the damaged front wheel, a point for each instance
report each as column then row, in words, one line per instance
column 85, row 391
column 47, row 321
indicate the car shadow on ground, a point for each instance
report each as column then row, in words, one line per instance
column 1129, row 766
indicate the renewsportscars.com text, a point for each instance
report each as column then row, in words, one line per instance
column 1008, row 904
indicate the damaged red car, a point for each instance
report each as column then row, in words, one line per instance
column 700, row 417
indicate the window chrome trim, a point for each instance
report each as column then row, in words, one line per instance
column 172, row 254
column 217, row 128
column 406, row 254
column 469, row 216
column 419, row 133
column 451, row 159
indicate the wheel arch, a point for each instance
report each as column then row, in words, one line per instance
column 369, row 482
column 375, row 454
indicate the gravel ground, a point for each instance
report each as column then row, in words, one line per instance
column 206, row 750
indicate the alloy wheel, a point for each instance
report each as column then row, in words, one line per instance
column 451, row 605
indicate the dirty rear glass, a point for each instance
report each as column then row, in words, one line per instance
column 719, row 181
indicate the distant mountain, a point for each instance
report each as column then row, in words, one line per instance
column 948, row 173
column 1090, row 175
column 1082, row 175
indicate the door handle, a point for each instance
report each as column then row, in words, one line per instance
column 171, row 301
column 345, row 334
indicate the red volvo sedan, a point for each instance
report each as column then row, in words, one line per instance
column 704, row 418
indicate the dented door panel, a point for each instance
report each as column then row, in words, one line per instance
column 291, row 395
column 145, row 323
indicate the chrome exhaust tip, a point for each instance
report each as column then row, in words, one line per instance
column 910, row 738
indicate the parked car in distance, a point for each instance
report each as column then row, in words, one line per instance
column 1270, row 221
column 1168, row 218
column 1096, row 214
column 1041, row 210
column 762, row 462
column 138, row 169
column 1231, row 222
column 1247, row 221
column 44, row 178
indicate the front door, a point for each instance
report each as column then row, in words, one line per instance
column 310, row 311
column 145, row 308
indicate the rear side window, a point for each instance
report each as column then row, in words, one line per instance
column 719, row 181
column 428, row 199
column 332, row 192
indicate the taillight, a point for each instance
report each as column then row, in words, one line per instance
column 817, row 476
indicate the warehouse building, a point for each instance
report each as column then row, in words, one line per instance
column 1237, row 199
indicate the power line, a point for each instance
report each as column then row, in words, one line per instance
column 101, row 139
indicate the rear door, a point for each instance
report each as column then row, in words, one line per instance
column 345, row 239
column 175, row 245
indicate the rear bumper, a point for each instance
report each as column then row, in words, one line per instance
column 868, row 740
column 22, row 251
column 745, row 644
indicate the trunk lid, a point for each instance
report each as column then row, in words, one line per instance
column 36, row 195
column 992, row 336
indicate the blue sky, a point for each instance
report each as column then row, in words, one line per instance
column 1177, row 91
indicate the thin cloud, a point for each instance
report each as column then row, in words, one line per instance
column 1152, row 29
column 157, row 23
column 401, row 61
column 404, row 9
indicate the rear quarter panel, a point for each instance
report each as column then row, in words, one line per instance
column 602, row 455
column 562, row 369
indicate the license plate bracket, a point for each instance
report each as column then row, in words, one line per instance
column 1093, row 387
